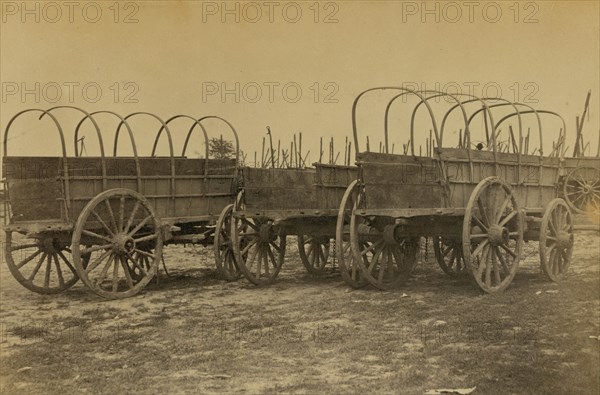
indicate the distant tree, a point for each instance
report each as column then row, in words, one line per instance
column 220, row 148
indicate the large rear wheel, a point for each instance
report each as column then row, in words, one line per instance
column 125, row 243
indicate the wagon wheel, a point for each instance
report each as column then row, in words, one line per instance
column 349, row 268
column 556, row 240
column 223, row 246
column 258, row 250
column 125, row 238
column 581, row 190
column 385, row 261
column 42, row 264
column 449, row 255
column 492, row 235
column 314, row 253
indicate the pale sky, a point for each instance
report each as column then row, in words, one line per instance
column 178, row 53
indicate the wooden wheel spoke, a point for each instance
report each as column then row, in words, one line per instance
column 502, row 260
column 384, row 267
column 144, row 253
column 139, row 263
column 37, row 267
column 479, row 236
column 495, row 264
column 452, row 258
column 551, row 226
column 376, row 257
column 511, row 253
column 95, row 235
column 259, row 260
column 140, row 225
column 146, row 238
column 372, row 247
column 321, row 254
column 480, row 247
column 482, row 261
column 115, row 279
column 23, row 246
column 28, row 259
column 104, row 225
column 252, row 257
column 111, row 215
column 89, row 250
column 247, row 248
column 121, row 213
column 126, row 270
column 506, row 219
column 278, row 248
column 266, row 268
column 446, row 249
column 48, row 270
column 579, row 196
column 483, row 213
column 66, row 261
column 502, row 208
column 136, row 206
column 480, row 223
column 250, row 224
column 59, row 274
column 98, row 261
column 397, row 254
column 488, row 267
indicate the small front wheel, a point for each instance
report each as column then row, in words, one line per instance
column 314, row 253
column 223, row 246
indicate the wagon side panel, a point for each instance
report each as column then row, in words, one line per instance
column 35, row 191
column 401, row 182
column 532, row 178
column 279, row 189
column 331, row 183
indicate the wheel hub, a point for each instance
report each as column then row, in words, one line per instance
column 498, row 235
column 564, row 240
column 266, row 233
column 49, row 245
column 123, row 244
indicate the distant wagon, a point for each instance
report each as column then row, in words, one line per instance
column 274, row 203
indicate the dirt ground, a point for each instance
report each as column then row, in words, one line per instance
column 194, row 333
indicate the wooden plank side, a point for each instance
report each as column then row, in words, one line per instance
column 332, row 182
column 335, row 176
column 279, row 177
column 280, row 198
column 41, row 168
column 412, row 184
column 35, row 199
